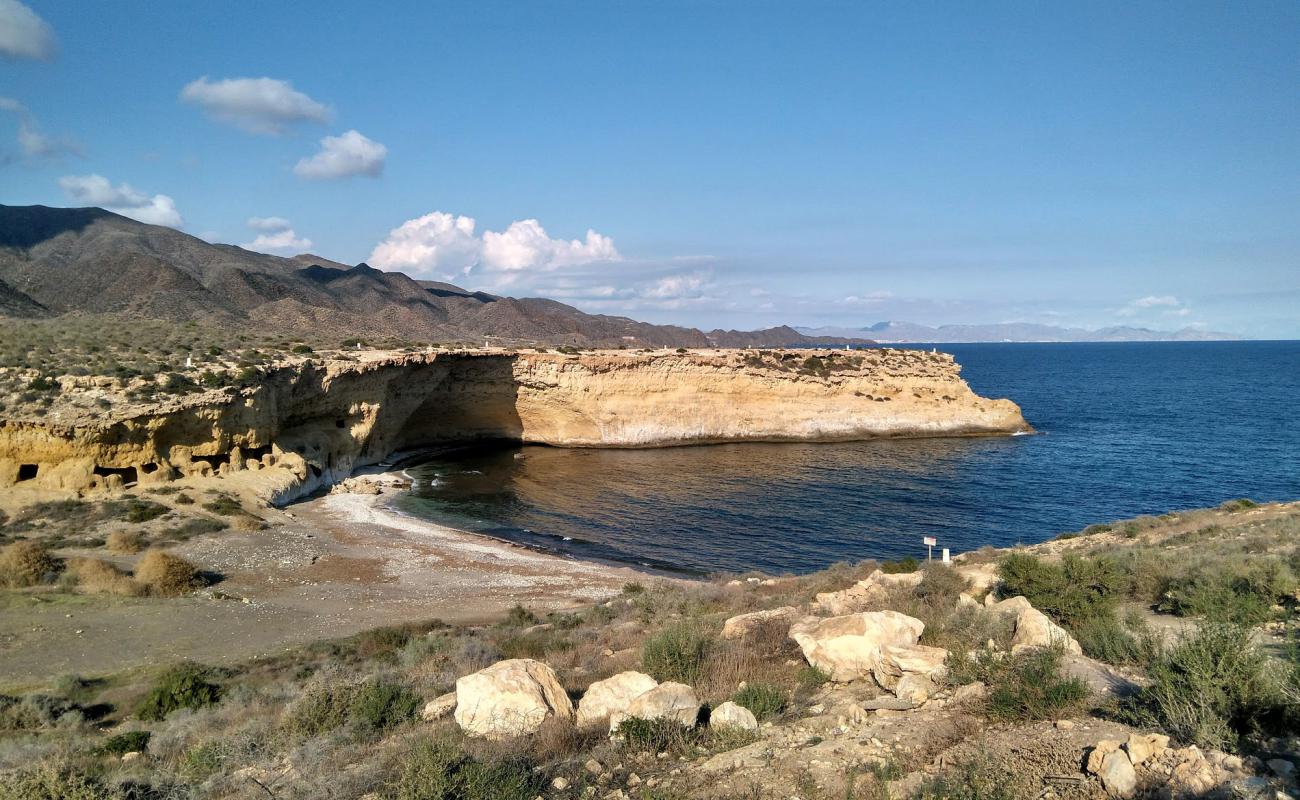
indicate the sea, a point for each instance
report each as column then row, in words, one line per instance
column 1124, row 429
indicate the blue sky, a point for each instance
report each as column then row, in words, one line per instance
column 737, row 164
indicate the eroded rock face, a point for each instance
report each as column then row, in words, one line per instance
column 897, row 662
column 510, row 698
column 668, row 700
column 1033, row 627
column 612, row 696
column 744, row 625
column 310, row 424
column 850, row 647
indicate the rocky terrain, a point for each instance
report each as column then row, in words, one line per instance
column 1145, row 658
column 86, row 261
column 284, row 429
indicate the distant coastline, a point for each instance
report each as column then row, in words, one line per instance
column 895, row 332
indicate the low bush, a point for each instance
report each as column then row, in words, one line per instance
column 123, row 743
column 124, row 542
column 1071, row 592
column 436, row 769
column 676, row 653
column 1130, row 642
column 1211, row 689
column 908, row 564
column 763, row 699
column 183, row 686
column 1024, row 687
column 655, row 735
column 136, row 510
column 100, row 577
column 166, row 575
column 27, row 563
column 940, row 585
column 520, row 617
column 225, row 505
column 1242, row 591
column 53, row 781
column 34, row 711
column 381, row 705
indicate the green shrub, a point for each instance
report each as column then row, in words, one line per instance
column 676, row 653
column 940, row 584
column 1106, row 638
column 811, row 678
column 633, row 588
column 53, row 781
column 323, row 707
column 1025, row 687
column 1238, row 591
column 136, row 510
column 763, row 699
column 908, row 564
column 977, row 778
column 1210, row 689
column 520, row 617
column 654, row 735
column 183, row 686
column 129, row 742
column 381, row 705
column 436, row 769
column 1071, row 592
column 1240, row 504
column 225, row 505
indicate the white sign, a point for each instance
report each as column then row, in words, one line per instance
column 929, row 541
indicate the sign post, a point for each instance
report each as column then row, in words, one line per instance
column 929, row 542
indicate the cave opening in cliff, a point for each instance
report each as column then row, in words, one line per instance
column 257, row 453
column 127, row 474
column 27, row 472
column 216, row 461
column 149, row 468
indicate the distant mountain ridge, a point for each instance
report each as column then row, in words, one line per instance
column 1015, row 332
column 56, row 261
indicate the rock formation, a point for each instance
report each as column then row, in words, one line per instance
column 308, row 424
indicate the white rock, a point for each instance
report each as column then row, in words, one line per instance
column 668, row 700
column 915, row 689
column 850, row 646
column 1144, row 747
column 1117, row 775
column 730, row 715
column 510, row 698
column 895, row 662
column 438, row 707
column 612, row 695
column 1034, row 629
column 743, row 625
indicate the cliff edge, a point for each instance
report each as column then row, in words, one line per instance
column 308, row 422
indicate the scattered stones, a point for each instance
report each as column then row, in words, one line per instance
column 914, row 688
column 1098, row 753
column 510, row 698
column 610, row 696
column 730, row 715
column 1145, row 747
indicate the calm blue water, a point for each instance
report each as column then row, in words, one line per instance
column 1128, row 429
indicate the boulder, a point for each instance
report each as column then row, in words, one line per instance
column 1098, row 754
column 439, row 707
column 668, row 700
column 510, row 698
column 981, row 577
column 1034, row 629
column 915, row 689
column 610, row 696
column 875, row 587
column 1117, row 775
column 730, row 715
column 896, row 662
column 739, row 627
column 1145, row 747
column 850, row 647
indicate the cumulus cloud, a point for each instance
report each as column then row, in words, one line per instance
column 256, row 105
column 33, row 144
column 343, row 157
column 23, row 34
column 276, row 233
column 438, row 243
column 96, row 190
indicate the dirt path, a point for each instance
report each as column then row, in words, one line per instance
column 328, row 567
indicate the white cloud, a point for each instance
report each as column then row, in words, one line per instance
column 1171, row 305
column 34, row 144
column 268, row 223
column 257, row 105
column 342, row 157
column 525, row 245
column 675, row 287
column 96, row 190
column 438, row 243
column 277, row 233
column 23, row 34
column 868, row 299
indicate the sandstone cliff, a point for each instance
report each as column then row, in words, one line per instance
column 312, row 422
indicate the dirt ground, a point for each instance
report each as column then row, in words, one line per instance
column 327, row 567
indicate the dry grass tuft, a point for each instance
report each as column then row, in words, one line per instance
column 100, row 577
column 124, row 542
column 26, row 563
column 166, row 575
column 248, row 523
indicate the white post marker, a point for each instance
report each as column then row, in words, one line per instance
column 929, row 542
column 946, row 558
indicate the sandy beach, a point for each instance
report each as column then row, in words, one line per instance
column 326, row 567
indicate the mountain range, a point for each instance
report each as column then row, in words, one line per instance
column 56, row 261
column 1014, row 332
